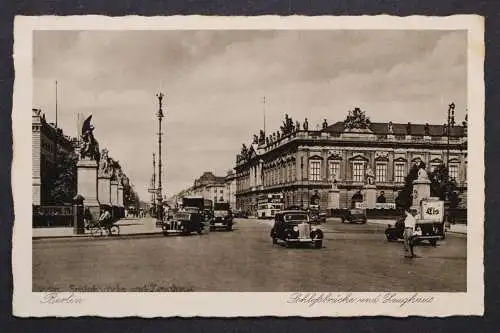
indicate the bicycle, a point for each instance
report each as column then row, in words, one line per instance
column 98, row 229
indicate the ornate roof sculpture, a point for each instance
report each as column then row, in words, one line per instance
column 357, row 121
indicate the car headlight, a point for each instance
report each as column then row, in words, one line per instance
column 179, row 222
column 295, row 228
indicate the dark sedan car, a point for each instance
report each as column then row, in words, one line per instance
column 292, row 227
column 184, row 222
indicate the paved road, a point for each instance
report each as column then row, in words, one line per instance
column 354, row 258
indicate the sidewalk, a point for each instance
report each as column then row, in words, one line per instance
column 454, row 228
column 128, row 227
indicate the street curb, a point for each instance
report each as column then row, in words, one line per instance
column 102, row 237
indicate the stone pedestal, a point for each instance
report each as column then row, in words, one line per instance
column 421, row 191
column 370, row 196
column 114, row 198
column 121, row 207
column 87, row 185
column 333, row 198
column 104, row 190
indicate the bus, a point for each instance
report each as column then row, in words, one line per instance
column 269, row 204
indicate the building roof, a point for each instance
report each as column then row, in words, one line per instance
column 400, row 129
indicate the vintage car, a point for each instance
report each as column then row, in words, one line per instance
column 292, row 227
column 240, row 214
column 355, row 215
column 429, row 224
column 184, row 222
column 223, row 217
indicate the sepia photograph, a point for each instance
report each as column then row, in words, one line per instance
column 328, row 164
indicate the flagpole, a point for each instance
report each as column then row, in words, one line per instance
column 264, row 113
column 56, row 104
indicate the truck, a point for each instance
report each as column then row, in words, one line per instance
column 222, row 217
column 429, row 224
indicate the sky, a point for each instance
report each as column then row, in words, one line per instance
column 214, row 83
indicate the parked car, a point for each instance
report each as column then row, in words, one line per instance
column 292, row 227
column 184, row 222
column 223, row 217
column 240, row 214
column 356, row 215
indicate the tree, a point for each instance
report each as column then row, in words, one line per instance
column 443, row 187
column 63, row 187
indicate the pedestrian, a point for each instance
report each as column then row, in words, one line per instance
column 105, row 220
column 409, row 225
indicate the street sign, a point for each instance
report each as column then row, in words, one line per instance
column 151, row 190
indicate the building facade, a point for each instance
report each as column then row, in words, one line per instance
column 210, row 187
column 47, row 139
column 303, row 164
column 231, row 188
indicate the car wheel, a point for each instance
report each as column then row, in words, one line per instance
column 165, row 234
column 433, row 242
column 318, row 244
column 229, row 228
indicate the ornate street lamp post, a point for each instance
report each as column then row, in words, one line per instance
column 159, row 114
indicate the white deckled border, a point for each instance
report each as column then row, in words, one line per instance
column 27, row 303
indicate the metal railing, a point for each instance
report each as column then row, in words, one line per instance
column 52, row 216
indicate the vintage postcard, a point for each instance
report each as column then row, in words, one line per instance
column 248, row 166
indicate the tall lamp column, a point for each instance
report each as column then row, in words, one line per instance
column 159, row 197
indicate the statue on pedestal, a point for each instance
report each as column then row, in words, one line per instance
column 90, row 147
column 297, row 126
column 306, row 125
column 370, row 176
column 325, row 124
column 408, row 128
column 255, row 139
column 426, row 129
column 334, row 183
column 422, row 175
column 390, row 127
column 104, row 164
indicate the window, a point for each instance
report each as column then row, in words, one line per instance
column 315, row 170
column 221, row 191
column 453, row 171
column 358, row 170
column 399, row 172
column 381, row 172
column 333, row 170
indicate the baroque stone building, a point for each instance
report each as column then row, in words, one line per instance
column 302, row 164
column 46, row 140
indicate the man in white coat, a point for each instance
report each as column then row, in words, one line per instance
column 410, row 222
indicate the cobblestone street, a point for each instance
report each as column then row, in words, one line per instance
column 354, row 258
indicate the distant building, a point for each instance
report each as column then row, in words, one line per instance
column 303, row 164
column 231, row 188
column 46, row 139
column 210, row 187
